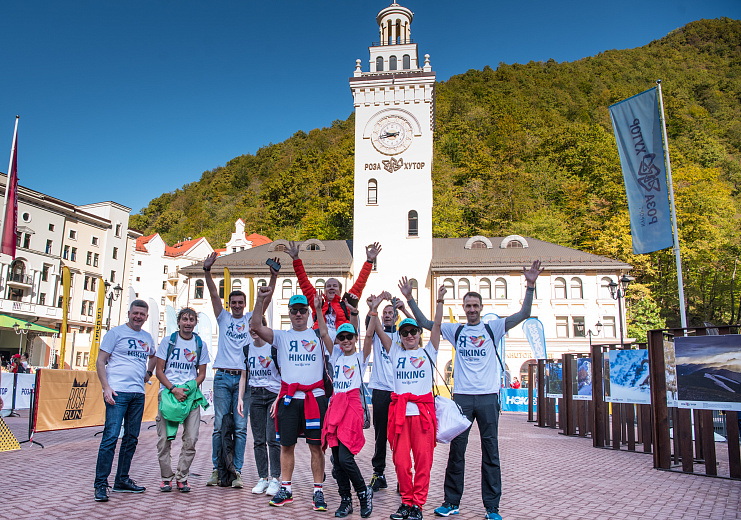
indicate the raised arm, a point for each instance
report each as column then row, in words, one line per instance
column 406, row 289
column 298, row 266
column 371, row 253
column 213, row 291
column 531, row 276
column 353, row 311
column 375, row 326
column 273, row 281
column 266, row 333
column 435, row 334
column 322, row 323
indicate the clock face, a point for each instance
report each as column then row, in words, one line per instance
column 392, row 135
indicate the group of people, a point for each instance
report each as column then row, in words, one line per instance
column 18, row 364
column 308, row 382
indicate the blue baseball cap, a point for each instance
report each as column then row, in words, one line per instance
column 298, row 299
column 408, row 321
column 346, row 327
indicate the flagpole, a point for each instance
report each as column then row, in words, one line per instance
column 7, row 180
column 677, row 256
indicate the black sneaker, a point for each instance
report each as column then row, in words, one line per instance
column 345, row 508
column 319, row 503
column 415, row 513
column 128, row 486
column 366, row 502
column 402, row 513
column 378, row 482
column 281, row 498
column 101, row 494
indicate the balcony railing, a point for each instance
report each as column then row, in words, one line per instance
column 23, row 279
column 384, row 43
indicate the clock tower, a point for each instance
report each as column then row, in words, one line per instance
column 394, row 121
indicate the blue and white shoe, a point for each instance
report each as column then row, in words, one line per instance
column 447, row 509
column 492, row 514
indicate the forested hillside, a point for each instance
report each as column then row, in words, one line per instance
column 526, row 149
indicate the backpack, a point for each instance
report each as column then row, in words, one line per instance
column 171, row 347
column 491, row 334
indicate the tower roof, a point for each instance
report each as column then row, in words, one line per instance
column 394, row 9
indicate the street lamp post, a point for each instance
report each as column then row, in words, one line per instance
column 21, row 331
column 598, row 326
column 617, row 291
column 112, row 296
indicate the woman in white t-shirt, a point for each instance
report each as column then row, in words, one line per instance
column 264, row 381
column 412, row 423
column 343, row 422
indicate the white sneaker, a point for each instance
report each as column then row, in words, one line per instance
column 261, row 486
column 274, row 487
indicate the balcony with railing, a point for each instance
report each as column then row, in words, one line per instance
column 30, row 309
column 20, row 280
column 173, row 275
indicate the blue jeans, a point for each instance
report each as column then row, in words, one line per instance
column 128, row 410
column 226, row 396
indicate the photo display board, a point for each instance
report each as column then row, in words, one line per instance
column 554, row 379
column 628, row 377
column 582, row 379
column 709, row 372
column 670, row 370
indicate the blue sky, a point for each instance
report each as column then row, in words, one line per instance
column 126, row 100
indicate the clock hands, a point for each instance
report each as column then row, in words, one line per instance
column 388, row 134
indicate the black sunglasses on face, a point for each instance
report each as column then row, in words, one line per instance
column 299, row 310
column 411, row 331
column 345, row 336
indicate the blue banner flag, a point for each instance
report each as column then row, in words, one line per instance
column 637, row 126
column 535, row 335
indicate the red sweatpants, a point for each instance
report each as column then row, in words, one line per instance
column 421, row 444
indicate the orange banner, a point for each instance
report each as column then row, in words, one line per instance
column 74, row 399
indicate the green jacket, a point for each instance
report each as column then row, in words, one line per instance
column 175, row 412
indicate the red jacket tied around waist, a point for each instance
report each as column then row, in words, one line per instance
column 343, row 422
column 311, row 407
column 398, row 413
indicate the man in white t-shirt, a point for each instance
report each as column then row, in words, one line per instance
column 477, row 375
column 124, row 364
column 181, row 358
column 301, row 403
column 234, row 335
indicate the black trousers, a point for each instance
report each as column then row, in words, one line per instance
column 381, row 400
column 485, row 410
column 346, row 471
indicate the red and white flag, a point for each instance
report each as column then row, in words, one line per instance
column 10, row 220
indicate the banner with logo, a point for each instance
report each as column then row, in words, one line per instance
column 637, row 125
column 535, row 335
column 98, row 326
column 74, row 399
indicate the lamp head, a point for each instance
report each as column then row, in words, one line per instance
column 613, row 288
column 625, row 281
column 117, row 290
column 598, row 326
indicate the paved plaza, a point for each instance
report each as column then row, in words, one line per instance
column 545, row 476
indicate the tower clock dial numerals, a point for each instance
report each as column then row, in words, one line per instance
column 392, row 135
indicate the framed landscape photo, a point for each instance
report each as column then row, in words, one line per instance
column 629, row 382
column 709, row 372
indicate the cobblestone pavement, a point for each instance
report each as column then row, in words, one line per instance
column 545, row 476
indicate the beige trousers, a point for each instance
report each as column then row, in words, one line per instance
column 187, row 452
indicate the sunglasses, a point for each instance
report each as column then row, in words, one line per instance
column 411, row 331
column 345, row 336
column 299, row 310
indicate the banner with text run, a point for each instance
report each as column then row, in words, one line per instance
column 637, row 125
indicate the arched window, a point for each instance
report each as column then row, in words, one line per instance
column 450, row 287
column 198, row 295
column 280, row 247
column 372, row 191
column 413, row 224
column 559, row 289
column 514, row 244
column 525, row 373
column 576, row 289
column 17, row 270
column 287, row 289
column 379, row 64
column 237, row 285
column 479, row 244
column 312, row 247
column 319, row 286
column 221, row 289
column 604, row 288
column 448, row 372
column 485, row 288
column 500, row 289
column 463, row 287
column 406, row 62
column 261, row 282
column 392, row 63
column 415, row 289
